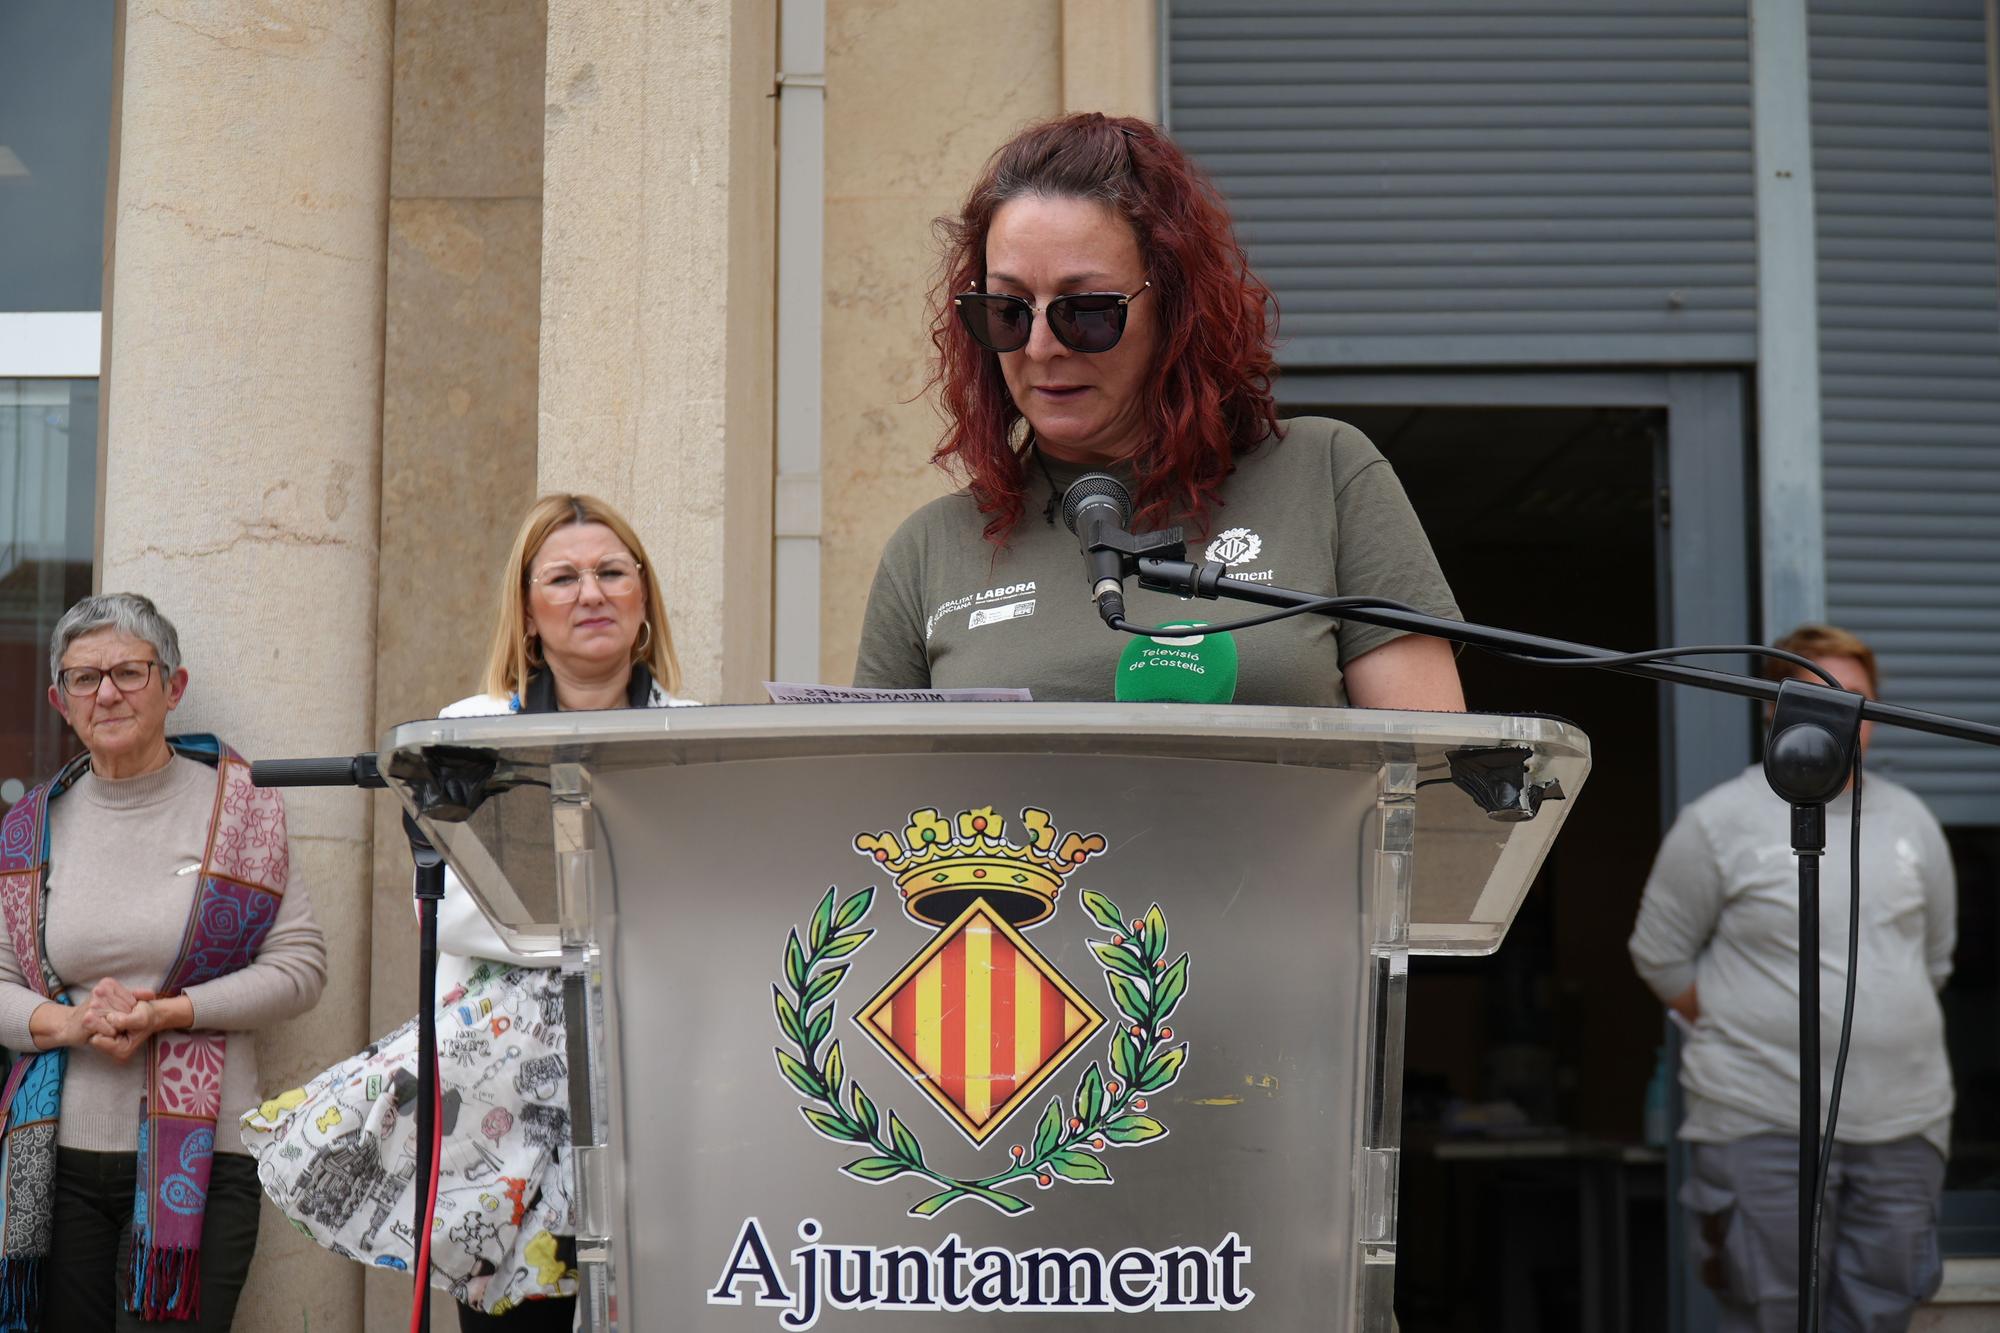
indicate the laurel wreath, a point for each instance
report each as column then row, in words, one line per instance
column 1104, row 1113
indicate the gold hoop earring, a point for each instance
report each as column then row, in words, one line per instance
column 528, row 651
column 640, row 648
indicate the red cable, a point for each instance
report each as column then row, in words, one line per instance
column 430, row 1208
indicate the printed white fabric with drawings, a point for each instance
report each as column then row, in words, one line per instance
column 338, row 1156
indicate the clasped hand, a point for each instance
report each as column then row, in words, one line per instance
column 117, row 1020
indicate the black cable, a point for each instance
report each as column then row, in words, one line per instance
column 1803, row 663
column 1185, row 580
column 1846, row 1032
column 1321, row 605
column 1315, row 607
column 1810, row 1142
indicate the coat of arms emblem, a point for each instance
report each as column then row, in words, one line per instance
column 979, row 1020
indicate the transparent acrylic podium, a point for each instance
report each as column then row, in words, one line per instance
column 883, row 1016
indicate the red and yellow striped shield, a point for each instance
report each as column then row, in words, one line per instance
column 979, row 1020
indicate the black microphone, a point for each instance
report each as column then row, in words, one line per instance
column 1096, row 504
column 356, row 770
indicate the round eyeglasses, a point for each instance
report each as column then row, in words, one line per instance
column 1081, row 321
column 563, row 583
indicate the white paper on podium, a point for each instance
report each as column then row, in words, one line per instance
column 782, row 693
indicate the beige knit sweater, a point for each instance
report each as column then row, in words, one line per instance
column 123, row 857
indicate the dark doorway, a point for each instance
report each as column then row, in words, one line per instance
column 1531, row 1199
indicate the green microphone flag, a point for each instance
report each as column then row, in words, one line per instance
column 1197, row 670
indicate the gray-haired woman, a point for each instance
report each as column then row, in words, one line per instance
column 152, row 922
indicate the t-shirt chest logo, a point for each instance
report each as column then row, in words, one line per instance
column 1011, row 601
column 1237, row 547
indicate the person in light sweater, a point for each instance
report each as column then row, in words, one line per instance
column 1717, row 940
column 154, row 920
column 582, row 624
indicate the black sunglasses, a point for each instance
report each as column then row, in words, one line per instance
column 1082, row 321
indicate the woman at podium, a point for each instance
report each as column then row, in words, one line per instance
column 582, row 625
column 1097, row 314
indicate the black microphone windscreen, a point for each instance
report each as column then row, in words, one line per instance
column 348, row 770
column 1098, row 486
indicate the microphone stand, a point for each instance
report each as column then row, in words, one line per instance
column 1208, row 580
column 1814, row 734
column 428, row 889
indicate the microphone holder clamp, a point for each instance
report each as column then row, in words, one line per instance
column 448, row 782
column 1496, row 778
column 1814, row 731
column 1104, row 535
column 1172, row 574
column 1134, row 549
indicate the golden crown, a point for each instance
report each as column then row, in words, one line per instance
column 942, row 865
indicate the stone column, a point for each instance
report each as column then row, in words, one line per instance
column 244, row 387
column 458, row 409
column 656, row 336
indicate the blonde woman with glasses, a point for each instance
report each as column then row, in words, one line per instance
column 582, row 625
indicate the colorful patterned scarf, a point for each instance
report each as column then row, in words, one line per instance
column 243, row 875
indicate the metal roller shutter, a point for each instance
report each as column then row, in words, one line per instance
column 1436, row 182
column 1910, row 369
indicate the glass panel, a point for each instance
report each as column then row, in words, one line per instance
column 55, row 144
column 48, row 519
column 1470, row 870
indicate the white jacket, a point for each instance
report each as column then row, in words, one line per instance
column 464, row 934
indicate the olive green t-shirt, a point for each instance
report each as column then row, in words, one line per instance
column 1317, row 510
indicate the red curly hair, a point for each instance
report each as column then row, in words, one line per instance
column 1211, row 380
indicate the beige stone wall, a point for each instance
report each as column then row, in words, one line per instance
column 458, row 406
column 907, row 130
column 904, row 139
column 244, row 386
column 656, row 345
column 1111, row 57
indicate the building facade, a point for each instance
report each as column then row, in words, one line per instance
column 1678, row 318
